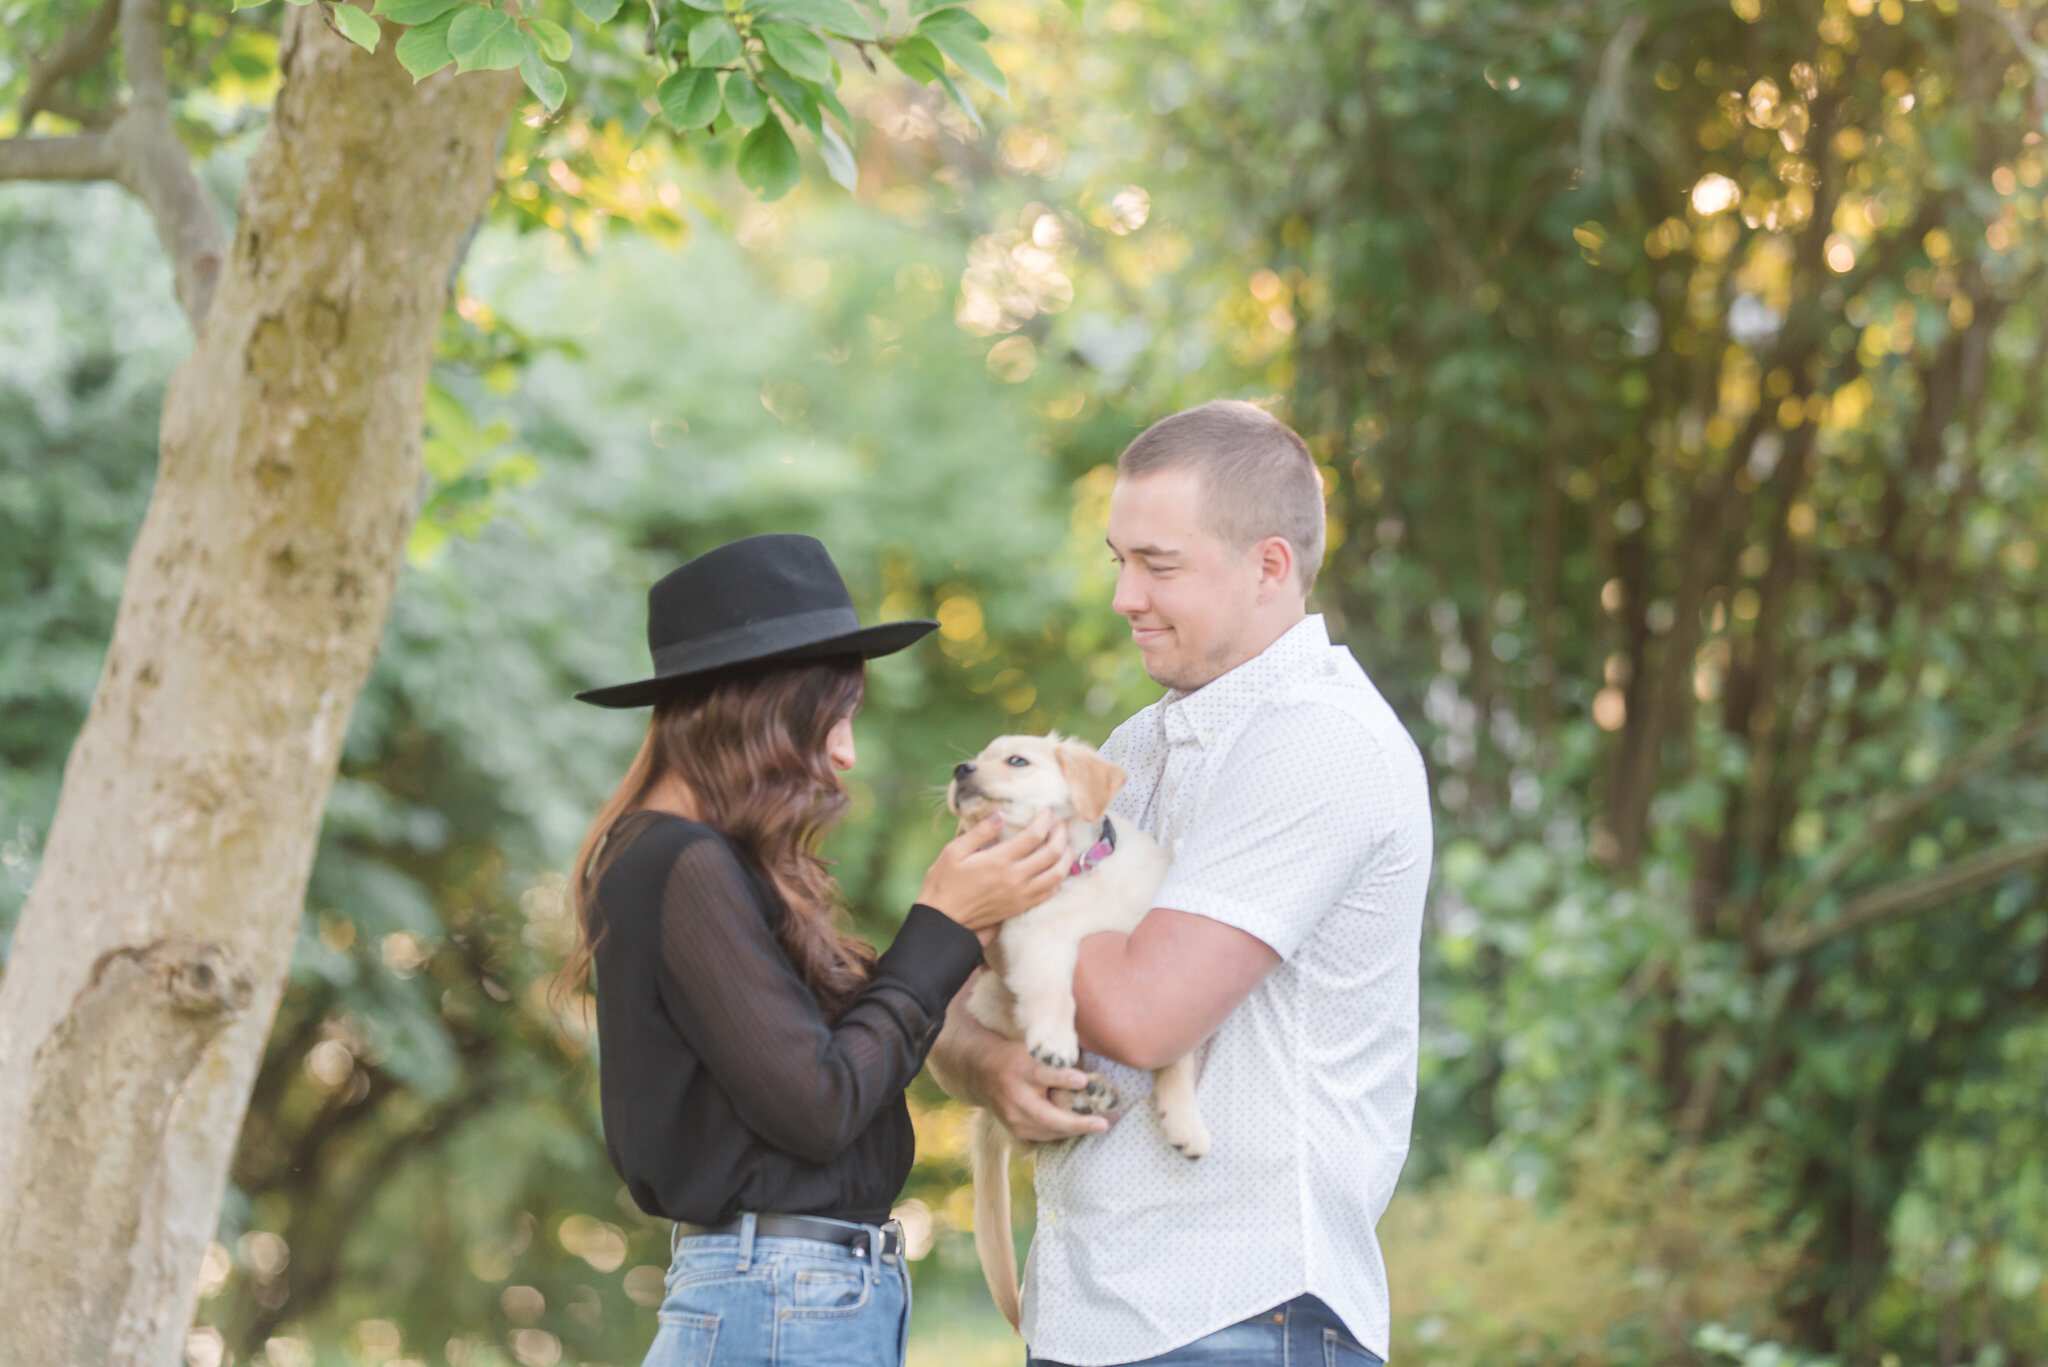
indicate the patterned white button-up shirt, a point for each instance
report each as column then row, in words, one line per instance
column 1296, row 809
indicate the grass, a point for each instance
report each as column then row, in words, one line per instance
column 952, row 1321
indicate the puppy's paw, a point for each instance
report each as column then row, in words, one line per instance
column 1098, row 1097
column 1183, row 1128
column 1054, row 1059
column 1054, row 1046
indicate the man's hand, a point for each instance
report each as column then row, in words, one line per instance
column 976, row 1065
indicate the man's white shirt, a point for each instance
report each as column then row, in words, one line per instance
column 1295, row 808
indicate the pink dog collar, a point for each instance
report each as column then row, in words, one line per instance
column 1103, row 848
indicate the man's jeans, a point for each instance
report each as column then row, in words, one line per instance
column 1302, row 1333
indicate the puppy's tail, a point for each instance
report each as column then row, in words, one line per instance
column 989, row 1144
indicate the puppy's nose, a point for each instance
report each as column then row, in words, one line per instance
column 962, row 770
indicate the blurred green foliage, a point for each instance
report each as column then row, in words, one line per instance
column 1675, row 373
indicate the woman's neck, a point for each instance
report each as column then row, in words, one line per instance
column 673, row 796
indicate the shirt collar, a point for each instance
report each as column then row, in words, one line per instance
column 1201, row 716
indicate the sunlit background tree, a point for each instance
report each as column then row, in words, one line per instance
column 1675, row 373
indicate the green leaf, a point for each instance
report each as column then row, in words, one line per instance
column 544, row 81
column 424, row 543
column 357, row 26
column 514, row 470
column 743, row 103
column 953, row 19
column 959, row 35
column 714, row 6
column 247, row 4
column 552, row 37
column 801, row 52
column 794, row 96
column 413, row 13
column 485, row 39
column 839, row 158
column 424, row 50
column 714, row 42
column 975, row 61
column 918, row 59
column 825, row 95
column 833, row 16
column 959, row 96
column 767, row 161
column 689, row 98
column 598, row 11
column 448, row 419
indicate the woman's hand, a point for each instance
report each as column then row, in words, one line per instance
column 982, row 884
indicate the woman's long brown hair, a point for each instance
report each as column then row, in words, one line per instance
column 749, row 743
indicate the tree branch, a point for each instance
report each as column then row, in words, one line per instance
column 73, row 56
column 140, row 151
column 1914, row 895
column 142, row 54
column 66, row 105
column 1608, row 104
column 2035, row 56
column 88, row 156
column 157, row 169
column 1888, row 817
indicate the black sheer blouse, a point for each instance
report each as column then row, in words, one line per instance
column 724, row 1089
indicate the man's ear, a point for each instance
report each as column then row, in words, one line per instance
column 1277, row 570
column 1091, row 780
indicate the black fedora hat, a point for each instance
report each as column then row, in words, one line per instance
column 776, row 598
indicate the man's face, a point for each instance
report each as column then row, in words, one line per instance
column 1188, row 595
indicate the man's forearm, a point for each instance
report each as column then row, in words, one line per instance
column 1107, row 1002
column 953, row 1053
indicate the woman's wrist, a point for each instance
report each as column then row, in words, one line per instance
column 985, row 934
column 949, row 907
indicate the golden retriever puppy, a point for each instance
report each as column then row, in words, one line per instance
column 1028, row 991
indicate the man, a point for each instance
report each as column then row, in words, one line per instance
column 1284, row 946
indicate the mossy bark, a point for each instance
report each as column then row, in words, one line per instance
column 154, row 945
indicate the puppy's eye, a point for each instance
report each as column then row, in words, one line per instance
column 1018, row 761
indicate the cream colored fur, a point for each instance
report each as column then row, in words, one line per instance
column 1028, row 992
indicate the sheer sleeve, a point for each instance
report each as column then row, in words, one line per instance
column 800, row 1084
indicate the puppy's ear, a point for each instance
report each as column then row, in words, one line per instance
column 1091, row 780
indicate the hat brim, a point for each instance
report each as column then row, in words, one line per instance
column 869, row 643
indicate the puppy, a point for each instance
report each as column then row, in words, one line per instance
column 1028, row 992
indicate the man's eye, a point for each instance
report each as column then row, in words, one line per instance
column 1018, row 761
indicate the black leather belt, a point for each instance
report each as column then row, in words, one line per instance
column 843, row 1232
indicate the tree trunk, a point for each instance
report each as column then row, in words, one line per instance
column 153, row 948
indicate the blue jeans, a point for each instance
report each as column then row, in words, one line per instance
column 734, row 1300
column 1302, row 1333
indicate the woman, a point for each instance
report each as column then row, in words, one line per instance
column 753, row 1057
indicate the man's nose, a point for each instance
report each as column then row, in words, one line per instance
column 1126, row 599
column 962, row 770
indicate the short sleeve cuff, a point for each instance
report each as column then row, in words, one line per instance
column 1235, row 912
column 931, row 956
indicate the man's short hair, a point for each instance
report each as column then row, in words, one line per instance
column 1257, row 476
